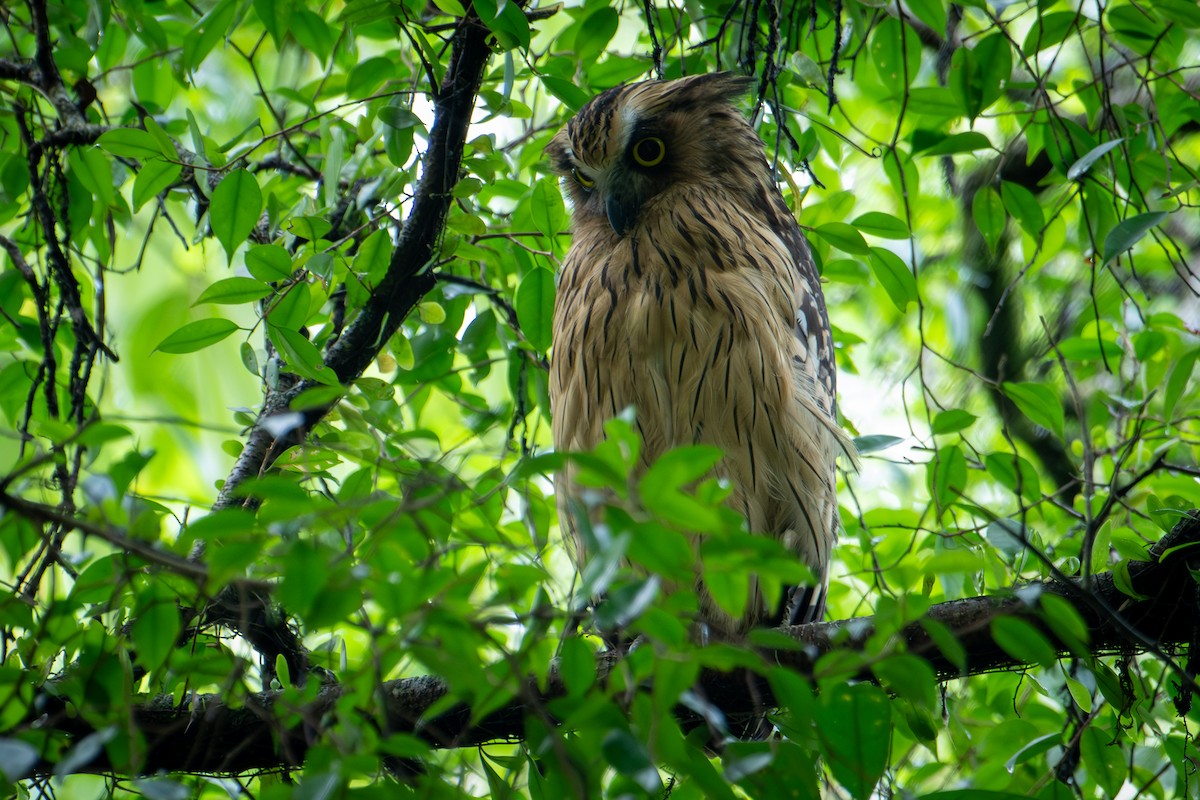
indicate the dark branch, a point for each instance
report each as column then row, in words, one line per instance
column 408, row 279
column 406, row 282
column 204, row 735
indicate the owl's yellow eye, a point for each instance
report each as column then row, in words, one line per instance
column 649, row 152
column 581, row 179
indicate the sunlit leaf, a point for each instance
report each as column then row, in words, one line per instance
column 953, row 420
column 131, row 143
column 883, row 225
column 1038, row 402
column 535, row 306
column 155, row 177
column 1178, row 380
column 1129, row 232
column 197, row 335
column 234, row 290
column 235, row 208
column 1084, row 164
column 854, row 734
column 844, row 237
column 894, row 276
column 1022, row 641
column 987, row 209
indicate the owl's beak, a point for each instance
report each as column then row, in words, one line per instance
column 622, row 208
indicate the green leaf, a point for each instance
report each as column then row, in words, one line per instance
column 948, row 475
column 1177, row 381
column 506, row 20
column 843, row 237
column 1129, row 232
column 679, row 467
column 1015, row 474
column 547, row 208
column 368, row 76
column 535, row 307
column 909, row 677
column 1084, row 164
column 894, row 276
column 853, row 727
column 882, row 225
column 992, row 65
column 1063, row 618
column 896, row 50
column 629, row 757
column 156, row 626
column 967, row 142
column 302, row 356
column 274, row 16
column 567, row 92
column 312, row 33
column 1104, row 760
column 600, row 27
column 935, row 102
column 132, row 143
column 1038, row 402
column 230, row 291
column 976, row 794
column 875, row 442
column 1024, row 207
column 1048, row 30
column 952, row 420
column 728, row 588
column 1030, row 750
column 197, row 335
column 931, row 12
column 576, row 665
column 1022, row 641
column 154, row 178
column 270, row 262
column 373, row 257
column 947, row 642
column 92, row 168
column 1124, row 582
column 210, row 29
column 1089, row 348
column 234, row 210
column 988, row 211
column 1008, row 536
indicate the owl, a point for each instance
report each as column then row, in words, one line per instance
column 689, row 294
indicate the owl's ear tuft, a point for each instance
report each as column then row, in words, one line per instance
column 732, row 85
column 727, row 86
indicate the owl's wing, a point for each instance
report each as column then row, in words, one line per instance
column 816, row 368
column 815, row 362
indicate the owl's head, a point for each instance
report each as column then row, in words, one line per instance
column 635, row 143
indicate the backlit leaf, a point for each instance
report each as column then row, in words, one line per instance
column 535, row 306
column 197, row 335
column 1038, row 402
column 1128, row 232
column 854, row 723
column 233, row 213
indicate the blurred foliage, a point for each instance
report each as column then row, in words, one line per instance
column 1002, row 198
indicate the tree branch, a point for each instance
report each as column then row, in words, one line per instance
column 407, row 279
column 267, row 731
column 406, row 282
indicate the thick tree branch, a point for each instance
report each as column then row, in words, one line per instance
column 408, row 278
column 406, row 282
column 204, row 735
